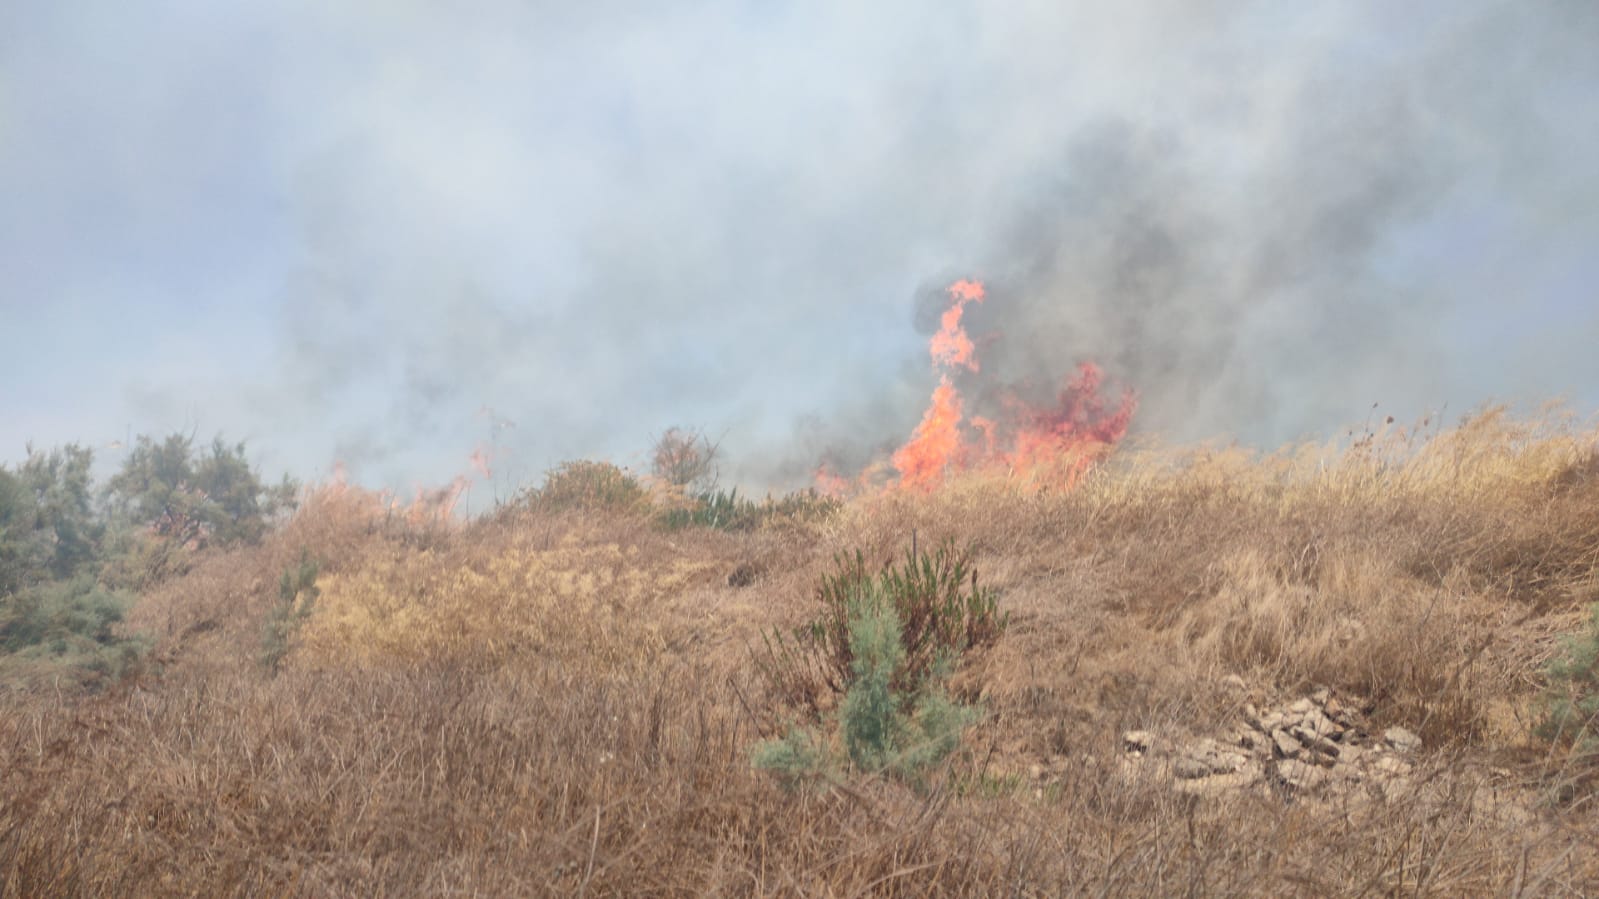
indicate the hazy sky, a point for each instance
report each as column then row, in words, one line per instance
column 355, row 230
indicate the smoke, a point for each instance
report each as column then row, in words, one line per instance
column 1242, row 271
column 598, row 222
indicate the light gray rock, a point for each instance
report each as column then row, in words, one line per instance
column 1321, row 725
column 1287, row 746
column 1301, row 706
column 1401, row 739
column 1253, row 739
column 1186, row 768
column 1226, row 761
column 1300, row 776
column 1138, row 741
column 1251, row 714
column 1391, row 766
column 1314, row 741
column 1219, row 784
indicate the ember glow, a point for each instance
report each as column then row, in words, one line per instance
column 1051, row 444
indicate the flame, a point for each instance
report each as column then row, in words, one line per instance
column 1053, row 445
column 950, row 346
column 1058, row 445
column 830, row 483
column 436, row 506
column 428, row 506
column 936, row 443
column 480, row 461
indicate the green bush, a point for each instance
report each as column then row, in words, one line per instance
column 883, row 731
column 297, row 595
column 66, row 627
column 1572, row 714
column 725, row 510
column 941, row 610
column 720, row 509
column 801, row 755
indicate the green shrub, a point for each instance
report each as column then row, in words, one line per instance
column 725, row 510
column 137, row 559
column 941, row 610
column 799, row 756
column 1572, row 714
column 884, row 731
column 721, row 509
column 297, row 595
column 66, row 627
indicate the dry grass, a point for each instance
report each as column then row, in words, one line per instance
column 558, row 702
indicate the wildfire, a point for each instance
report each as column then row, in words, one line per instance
column 937, row 442
column 950, row 346
column 1053, row 444
column 428, row 506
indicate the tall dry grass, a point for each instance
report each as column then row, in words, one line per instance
column 559, row 702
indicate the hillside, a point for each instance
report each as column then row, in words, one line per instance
column 563, row 696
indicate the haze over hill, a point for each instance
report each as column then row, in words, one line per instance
column 383, row 233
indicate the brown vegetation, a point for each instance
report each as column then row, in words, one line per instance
column 561, row 699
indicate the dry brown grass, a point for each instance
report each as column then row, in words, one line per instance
column 559, row 703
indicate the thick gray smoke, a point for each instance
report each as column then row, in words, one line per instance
column 1251, row 266
column 562, row 228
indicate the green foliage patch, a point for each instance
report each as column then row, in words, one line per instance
column 942, row 610
column 902, row 734
column 73, row 553
column 886, row 641
column 66, row 628
column 725, row 510
column 1572, row 700
column 297, row 595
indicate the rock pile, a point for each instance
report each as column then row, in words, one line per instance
column 1300, row 747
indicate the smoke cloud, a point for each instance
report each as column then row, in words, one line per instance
column 389, row 232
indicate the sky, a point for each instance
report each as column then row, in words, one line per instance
column 387, row 232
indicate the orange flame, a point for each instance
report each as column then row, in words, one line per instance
column 480, row 461
column 1058, row 445
column 936, row 443
column 429, row 506
column 1045, row 445
column 950, row 346
column 830, row 483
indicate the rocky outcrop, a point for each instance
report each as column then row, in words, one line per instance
column 1302, row 747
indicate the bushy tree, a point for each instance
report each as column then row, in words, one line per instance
column 195, row 498
column 65, row 527
column 70, row 562
column 16, row 533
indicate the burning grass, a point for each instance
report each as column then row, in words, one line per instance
column 560, row 700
